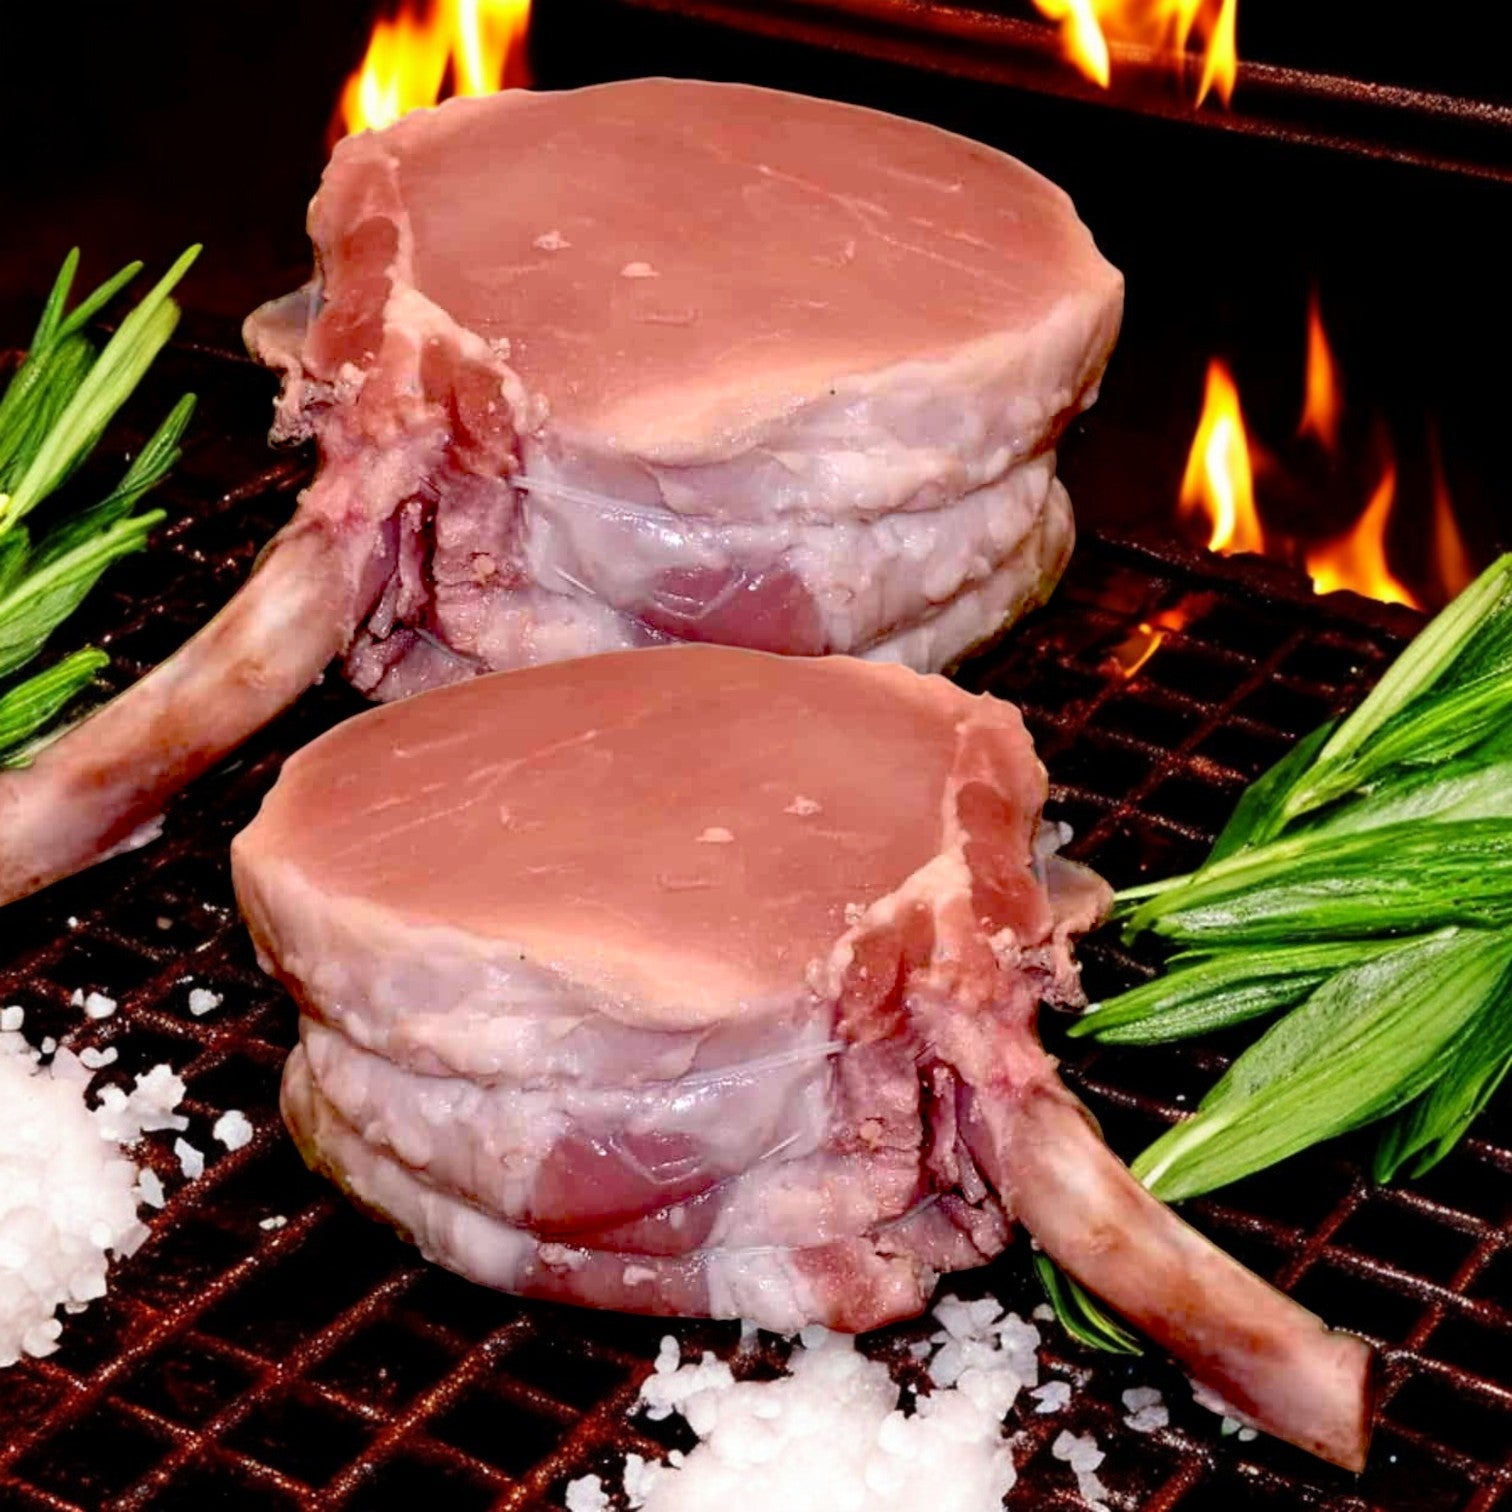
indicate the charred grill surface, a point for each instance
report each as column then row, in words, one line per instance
column 321, row 1363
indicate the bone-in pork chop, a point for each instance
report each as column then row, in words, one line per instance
column 647, row 362
column 700, row 980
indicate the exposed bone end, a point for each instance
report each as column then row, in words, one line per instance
column 92, row 792
column 1276, row 1363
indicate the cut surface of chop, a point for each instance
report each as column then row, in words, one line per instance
column 645, row 362
column 701, row 980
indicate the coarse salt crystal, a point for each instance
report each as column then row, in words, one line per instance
column 97, row 1060
column 638, row 270
column 587, row 1494
column 272, row 1223
column 68, row 1200
column 150, row 1188
column 1146, row 1409
column 191, row 1161
column 233, row 1129
column 803, row 807
column 203, row 1001
column 716, row 835
column 551, row 241
column 12, row 1018
column 98, row 1006
column 1053, row 1396
column 49, row 1044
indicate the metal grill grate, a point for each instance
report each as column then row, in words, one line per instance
column 320, row 1363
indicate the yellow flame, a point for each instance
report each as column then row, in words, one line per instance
column 1357, row 559
column 1163, row 26
column 1218, row 487
column 1324, row 401
column 477, row 46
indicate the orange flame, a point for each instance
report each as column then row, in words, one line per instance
column 1324, row 401
column 1218, row 488
column 476, row 46
column 1357, row 559
column 1162, row 26
column 1451, row 559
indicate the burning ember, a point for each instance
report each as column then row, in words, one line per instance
column 1164, row 28
column 430, row 50
column 1218, row 499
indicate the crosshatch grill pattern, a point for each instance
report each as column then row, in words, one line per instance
column 321, row 1363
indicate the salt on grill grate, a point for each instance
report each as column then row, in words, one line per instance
column 320, row 1363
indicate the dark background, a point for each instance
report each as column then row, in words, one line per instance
column 135, row 130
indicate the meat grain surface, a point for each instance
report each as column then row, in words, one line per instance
column 767, row 370
column 647, row 362
column 704, row 981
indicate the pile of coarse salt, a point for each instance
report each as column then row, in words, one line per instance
column 831, row 1435
column 68, row 1195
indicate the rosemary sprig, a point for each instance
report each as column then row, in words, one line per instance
column 52, row 414
column 1360, row 898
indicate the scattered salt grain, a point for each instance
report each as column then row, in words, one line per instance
column 638, row 270
column 587, row 1495
column 803, row 807
column 148, row 1107
column 716, row 834
column 1146, row 1409
column 77, row 1000
column 48, row 1045
column 149, row 1188
column 98, row 1006
column 1081, row 1453
column 164, row 922
column 68, row 1200
column 273, row 1223
column 1044, row 1313
column 551, row 241
column 233, row 1129
column 12, row 1018
column 640, row 1479
column 97, row 1060
column 1053, row 1396
column 191, row 1161
column 830, row 1434
column 203, row 1001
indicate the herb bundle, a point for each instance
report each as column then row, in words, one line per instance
column 1360, row 898
column 52, row 414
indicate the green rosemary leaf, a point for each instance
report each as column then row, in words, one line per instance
column 1079, row 1315
column 114, row 375
column 1217, row 992
column 1259, row 815
column 1468, row 640
column 43, row 599
column 87, row 309
column 38, row 393
column 1360, row 1048
column 30, row 706
column 1401, row 878
column 150, row 466
column 52, row 312
column 1421, row 1135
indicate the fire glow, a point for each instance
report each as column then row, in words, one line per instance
column 1164, row 28
column 1218, row 489
column 432, row 49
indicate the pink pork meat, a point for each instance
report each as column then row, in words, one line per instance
column 646, row 362
column 704, row 981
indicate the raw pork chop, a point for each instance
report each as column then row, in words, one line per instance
column 645, row 362
column 703, row 981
